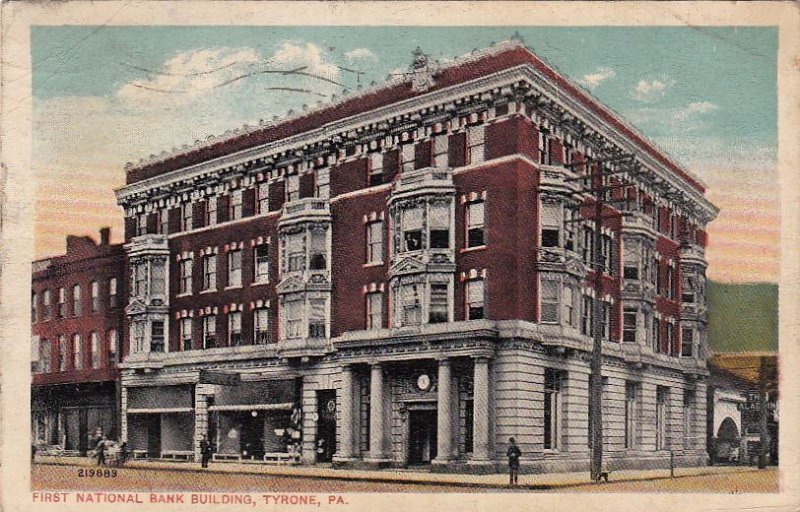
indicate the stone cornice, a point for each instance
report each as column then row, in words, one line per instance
column 408, row 111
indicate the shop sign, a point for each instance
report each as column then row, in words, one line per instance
column 220, row 378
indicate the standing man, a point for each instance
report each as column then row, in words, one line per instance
column 513, row 454
column 205, row 451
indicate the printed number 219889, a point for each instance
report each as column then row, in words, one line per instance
column 99, row 473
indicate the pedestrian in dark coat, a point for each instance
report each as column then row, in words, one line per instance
column 206, row 449
column 513, row 453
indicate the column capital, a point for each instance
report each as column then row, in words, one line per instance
column 444, row 361
column 481, row 359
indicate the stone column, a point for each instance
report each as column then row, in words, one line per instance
column 376, row 424
column 201, row 393
column 345, row 451
column 444, row 416
column 480, row 452
column 123, row 414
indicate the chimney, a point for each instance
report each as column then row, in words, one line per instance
column 105, row 236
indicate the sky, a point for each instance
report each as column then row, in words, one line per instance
column 106, row 95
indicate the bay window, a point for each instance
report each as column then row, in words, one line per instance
column 549, row 302
column 438, row 307
column 411, row 305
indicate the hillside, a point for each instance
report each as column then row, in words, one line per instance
column 742, row 317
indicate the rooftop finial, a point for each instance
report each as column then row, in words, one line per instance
column 517, row 37
column 422, row 71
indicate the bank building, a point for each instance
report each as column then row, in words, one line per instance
column 403, row 277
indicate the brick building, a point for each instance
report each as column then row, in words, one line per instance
column 77, row 314
column 402, row 277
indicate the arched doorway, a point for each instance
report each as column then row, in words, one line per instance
column 727, row 442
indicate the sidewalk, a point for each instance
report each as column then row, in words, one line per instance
column 533, row 482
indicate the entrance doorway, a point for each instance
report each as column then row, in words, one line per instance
column 252, row 435
column 422, row 436
column 326, row 425
column 153, row 435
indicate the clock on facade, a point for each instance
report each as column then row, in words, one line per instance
column 424, row 382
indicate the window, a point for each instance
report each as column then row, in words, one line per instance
column 671, row 339
column 375, row 242
column 411, row 305
column 374, row 310
column 140, row 279
column 95, row 347
column 440, row 151
column 570, row 229
column 158, row 278
column 549, row 301
column 607, row 248
column 235, row 205
column 76, row 300
column 629, row 325
column 475, row 224
column 185, row 276
column 77, row 351
column 141, row 224
column 551, row 218
column 235, row 268
column 631, row 272
column 294, row 319
column 631, row 412
column 587, row 314
column 475, row 144
column 209, row 331
column 157, row 336
column 292, row 188
column 316, row 320
column 662, row 393
column 113, row 300
column 412, row 229
column 687, row 291
column 670, row 282
column 234, row 328
column 62, row 303
column 137, row 336
column 687, row 342
column 552, row 409
column 318, row 248
column 262, row 198
column 34, row 313
column 375, row 169
column 439, row 225
column 475, row 299
column 211, row 211
column 62, row 353
column 261, row 263
column 261, row 333
column 588, row 245
column 295, row 252
column 44, row 356
column 186, row 333
column 113, row 342
column 656, row 337
column 569, row 305
column 186, row 216
column 606, row 321
column 47, row 305
column 210, row 272
column 544, row 147
column 95, row 290
column 163, row 222
column 323, row 183
column 438, row 308
column 688, row 418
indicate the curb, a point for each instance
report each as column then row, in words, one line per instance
column 411, row 481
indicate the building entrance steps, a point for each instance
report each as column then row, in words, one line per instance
column 410, row 476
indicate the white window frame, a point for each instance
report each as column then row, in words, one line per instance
column 261, row 330
column 211, row 211
column 374, row 309
column 550, row 302
column 234, row 268
column 77, row 351
column 261, row 263
column 94, row 344
column 186, row 327
column 95, row 293
column 185, row 271
column 77, row 303
column 210, row 331
column 262, row 198
column 374, row 231
column 472, row 223
column 186, row 217
column 476, row 144
column 235, row 205
column 234, row 328
column 210, row 272
column 471, row 298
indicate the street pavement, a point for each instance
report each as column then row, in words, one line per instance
column 60, row 472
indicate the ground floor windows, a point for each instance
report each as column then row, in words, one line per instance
column 662, row 396
column 631, row 414
column 552, row 408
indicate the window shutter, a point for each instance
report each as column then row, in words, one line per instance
column 222, row 208
column 277, row 195
column 458, row 150
column 248, row 202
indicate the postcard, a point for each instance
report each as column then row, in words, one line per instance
column 363, row 255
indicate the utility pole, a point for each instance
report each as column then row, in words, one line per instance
column 762, row 413
column 598, row 189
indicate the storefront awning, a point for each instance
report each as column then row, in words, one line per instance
column 255, row 407
column 161, row 410
column 253, row 393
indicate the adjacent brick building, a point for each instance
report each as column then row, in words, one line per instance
column 77, row 306
column 402, row 277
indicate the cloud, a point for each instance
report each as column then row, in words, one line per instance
column 694, row 109
column 649, row 91
column 361, row 54
column 594, row 79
